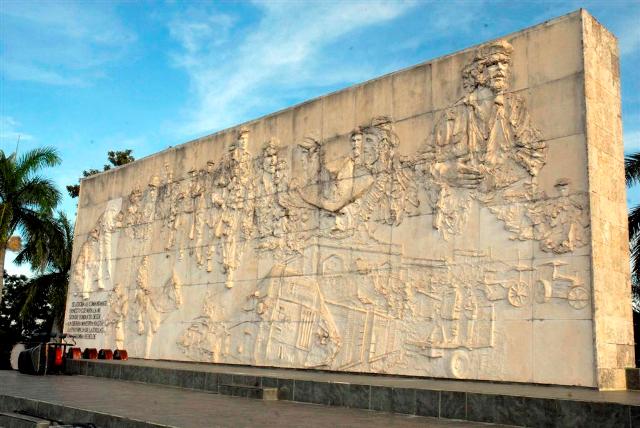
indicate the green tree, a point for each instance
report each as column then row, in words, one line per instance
column 115, row 158
column 27, row 199
column 51, row 284
column 632, row 176
column 12, row 329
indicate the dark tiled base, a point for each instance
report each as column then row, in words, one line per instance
column 633, row 378
column 478, row 407
column 359, row 396
column 257, row 392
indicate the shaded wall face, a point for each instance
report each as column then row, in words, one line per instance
column 433, row 222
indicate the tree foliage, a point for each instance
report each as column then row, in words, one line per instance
column 16, row 325
column 119, row 158
column 32, row 305
column 52, row 283
column 632, row 169
column 27, row 199
column 632, row 176
column 116, row 158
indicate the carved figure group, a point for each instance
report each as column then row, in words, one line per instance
column 336, row 284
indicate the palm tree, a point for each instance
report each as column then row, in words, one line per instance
column 632, row 176
column 27, row 199
column 50, row 286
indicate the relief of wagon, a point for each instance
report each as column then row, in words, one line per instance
column 562, row 286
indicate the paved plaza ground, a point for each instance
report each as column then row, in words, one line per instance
column 187, row 408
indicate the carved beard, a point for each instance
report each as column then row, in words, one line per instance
column 498, row 85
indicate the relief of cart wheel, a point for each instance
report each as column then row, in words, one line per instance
column 578, row 297
column 460, row 365
column 518, row 293
column 562, row 286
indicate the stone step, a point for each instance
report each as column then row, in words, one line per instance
column 18, row 420
column 266, row 393
column 11, row 416
column 507, row 404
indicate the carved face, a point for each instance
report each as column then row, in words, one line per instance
column 280, row 174
column 269, row 163
column 370, row 149
column 237, row 151
column 356, row 144
column 241, row 143
column 497, row 72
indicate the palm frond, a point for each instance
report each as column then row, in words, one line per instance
column 40, row 235
column 634, row 246
column 8, row 178
column 49, row 244
column 38, row 192
column 66, row 243
column 38, row 289
column 49, row 249
column 632, row 168
column 635, row 266
column 35, row 159
column 634, row 223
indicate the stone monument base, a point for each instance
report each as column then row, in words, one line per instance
column 502, row 403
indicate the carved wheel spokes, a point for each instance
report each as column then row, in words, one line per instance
column 578, row 297
column 460, row 364
column 518, row 294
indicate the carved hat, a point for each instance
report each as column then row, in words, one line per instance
column 155, row 181
column 384, row 122
column 271, row 146
column 498, row 47
column 309, row 143
column 383, row 127
column 242, row 131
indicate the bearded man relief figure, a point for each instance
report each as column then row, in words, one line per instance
column 484, row 146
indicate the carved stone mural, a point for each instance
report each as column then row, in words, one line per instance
column 442, row 252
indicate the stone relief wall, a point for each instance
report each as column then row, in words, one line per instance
column 441, row 253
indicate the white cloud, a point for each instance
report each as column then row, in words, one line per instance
column 60, row 43
column 232, row 73
column 10, row 131
column 198, row 29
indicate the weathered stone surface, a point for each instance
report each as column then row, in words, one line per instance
column 462, row 218
column 613, row 324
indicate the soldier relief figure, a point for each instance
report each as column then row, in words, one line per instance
column 484, row 147
column 332, row 288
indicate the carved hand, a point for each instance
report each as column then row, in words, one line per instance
column 460, row 174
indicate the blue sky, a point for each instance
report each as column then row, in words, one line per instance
column 88, row 77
